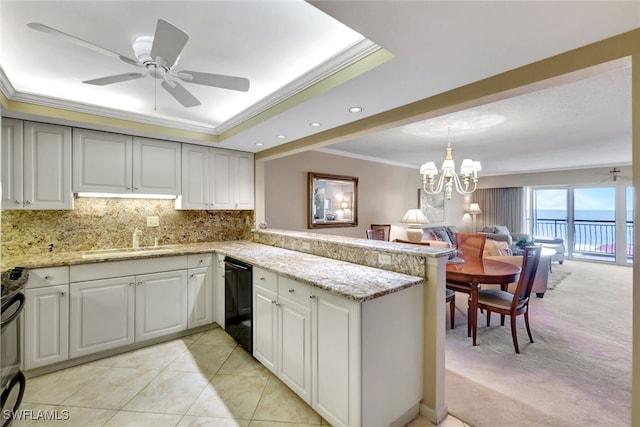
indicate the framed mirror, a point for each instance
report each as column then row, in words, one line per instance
column 332, row 201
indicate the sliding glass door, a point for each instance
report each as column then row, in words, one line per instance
column 595, row 223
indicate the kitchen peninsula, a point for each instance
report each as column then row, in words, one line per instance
column 380, row 310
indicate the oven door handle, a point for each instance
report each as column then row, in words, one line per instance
column 19, row 298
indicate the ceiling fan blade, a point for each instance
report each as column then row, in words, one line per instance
column 168, row 42
column 115, row 79
column 216, row 80
column 48, row 30
column 182, row 95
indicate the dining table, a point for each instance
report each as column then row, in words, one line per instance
column 476, row 271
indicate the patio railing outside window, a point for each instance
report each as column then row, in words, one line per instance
column 591, row 237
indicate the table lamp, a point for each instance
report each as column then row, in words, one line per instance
column 414, row 217
column 474, row 210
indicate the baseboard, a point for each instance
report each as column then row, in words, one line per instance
column 407, row 417
column 434, row 415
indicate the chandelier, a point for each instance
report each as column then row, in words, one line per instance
column 465, row 183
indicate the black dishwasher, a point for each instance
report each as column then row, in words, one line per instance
column 238, row 281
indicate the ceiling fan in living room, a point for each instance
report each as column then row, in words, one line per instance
column 614, row 175
column 158, row 55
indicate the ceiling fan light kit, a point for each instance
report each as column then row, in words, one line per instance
column 158, row 55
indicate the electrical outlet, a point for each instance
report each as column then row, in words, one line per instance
column 384, row 259
column 153, row 221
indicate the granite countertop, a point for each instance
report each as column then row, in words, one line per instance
column 353, row 281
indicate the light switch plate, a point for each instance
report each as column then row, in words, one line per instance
column 153, row 221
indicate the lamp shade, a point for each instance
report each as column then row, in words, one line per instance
column 474, row 209
column 414, row 216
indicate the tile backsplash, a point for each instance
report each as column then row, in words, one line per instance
column 102, row 223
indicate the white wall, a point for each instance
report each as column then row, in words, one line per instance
column 385, row 193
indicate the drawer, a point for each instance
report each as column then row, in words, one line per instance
column 295, row 291
column 50, row 276
column 199, row 260
column 266, row 279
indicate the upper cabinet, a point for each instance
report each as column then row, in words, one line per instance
column 113, row 163
column 216, row 179
column 36, row 165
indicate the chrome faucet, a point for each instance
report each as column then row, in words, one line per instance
column 136, row 238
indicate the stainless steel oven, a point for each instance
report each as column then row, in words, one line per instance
column 13, row 380
column 238, row 280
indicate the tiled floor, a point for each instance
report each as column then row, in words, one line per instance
column 203, row 379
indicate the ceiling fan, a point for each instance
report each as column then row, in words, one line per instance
column 158, row 55
column 614, row 174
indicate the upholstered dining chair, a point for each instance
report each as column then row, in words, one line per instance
column 375, row 234
column 513, row 305
column 471, row 245
column 384, row 227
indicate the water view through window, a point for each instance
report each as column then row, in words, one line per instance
column 593, row 222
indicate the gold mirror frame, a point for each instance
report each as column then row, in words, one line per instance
column 332, row 201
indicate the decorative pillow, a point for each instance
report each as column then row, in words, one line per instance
column 496, row 248
column 442, row 235
column 451, row 231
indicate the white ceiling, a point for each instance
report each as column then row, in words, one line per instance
column 437, row 46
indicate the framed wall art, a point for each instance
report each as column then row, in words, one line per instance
column 432, row 205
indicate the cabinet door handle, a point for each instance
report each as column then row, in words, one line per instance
column 28, row 202
column 131, row 284
column 62, row 294
column 277, row 304
column 48, row 277
column 139, row 283
column 191, row 275
column 273, row 302
column 18, row 202
column 291, row 291
column 312, row 296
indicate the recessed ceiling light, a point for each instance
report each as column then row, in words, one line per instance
column 281, row 136
column 259, row 144
column 355, row 109
column 315, row 124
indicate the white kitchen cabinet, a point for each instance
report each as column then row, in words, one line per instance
column 200, row 291
column 106, row 162
column 294, row 336
column 265, row 318
column 336, row 358
column 282, row 329
column 147, row 299
column 46, row 317
column 102, row 315
column 161, row 304
column 219, row 290
column 36, row 165
column 216, row 179
column 102, row 162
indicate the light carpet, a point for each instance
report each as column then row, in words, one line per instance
column 578, row 371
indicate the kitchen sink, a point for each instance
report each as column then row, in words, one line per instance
column 123, row 253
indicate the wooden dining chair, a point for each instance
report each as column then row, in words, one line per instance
column 470, row 245
column 513, row 305
column 384, row 227
column 375, row 234
column 450, row 297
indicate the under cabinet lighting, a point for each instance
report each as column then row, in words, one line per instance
column 128, row 196
column 355, row 109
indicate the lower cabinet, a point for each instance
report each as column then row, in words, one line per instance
column 46, row 326
column 102, row 315
column 161, row 304
column 335, row 360
column 352, row 361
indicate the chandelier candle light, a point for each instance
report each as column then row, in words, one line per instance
column 465, row 185
column 414, row 217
